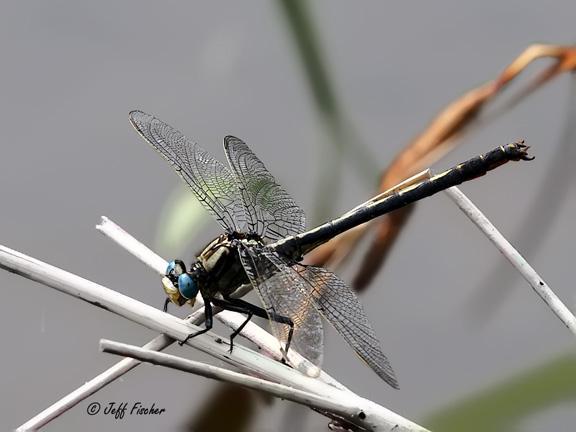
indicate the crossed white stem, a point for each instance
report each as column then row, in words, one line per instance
column 361, row 412
column 335, row 406
column 512, row 255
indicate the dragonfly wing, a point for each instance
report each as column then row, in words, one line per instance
column 340, row 306
column 270, row 210
column 282, row 293
column 212, row 182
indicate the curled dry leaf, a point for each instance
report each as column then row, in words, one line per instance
column 439, row 137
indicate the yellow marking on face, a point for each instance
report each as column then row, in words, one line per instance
column 171, row 291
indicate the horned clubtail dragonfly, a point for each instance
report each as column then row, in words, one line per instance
column 265, row 239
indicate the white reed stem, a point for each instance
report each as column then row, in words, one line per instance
column 72, row 399
column 89, row 388
column 132, row 245
column 209, row 371
column 512, row 255
column 374, row 417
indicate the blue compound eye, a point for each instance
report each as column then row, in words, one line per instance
column 171, row 267
column 187, row 286
column 175, row 268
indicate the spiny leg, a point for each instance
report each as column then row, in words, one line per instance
column 242, row 306
column 228, row 305
column 166, row 303
column 208, row 323
column 238, row 330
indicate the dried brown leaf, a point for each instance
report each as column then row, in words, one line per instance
column 440, row 136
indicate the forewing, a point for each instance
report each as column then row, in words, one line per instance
column 270, row 210
column 211, row 181
column 340, row 306
column 282, row 293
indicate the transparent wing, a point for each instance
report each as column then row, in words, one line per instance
column 340, row 306
column 211, row 181
column 270, row 210
column 282, row 293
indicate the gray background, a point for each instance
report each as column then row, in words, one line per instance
column 71, row 71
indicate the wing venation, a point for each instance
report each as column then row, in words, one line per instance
column 270, row 210
column 340, row 306
column 212, row 182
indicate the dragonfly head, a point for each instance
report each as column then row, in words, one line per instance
column 179, row 285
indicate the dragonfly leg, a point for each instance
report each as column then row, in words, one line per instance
column 242, row 306
column 166, row 303
column 208, row 323
column 289, row 340
column 238, row 330
column 231, row 305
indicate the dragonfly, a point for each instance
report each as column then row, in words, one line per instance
column 265, row 240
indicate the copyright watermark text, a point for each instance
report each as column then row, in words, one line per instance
column 119, row 410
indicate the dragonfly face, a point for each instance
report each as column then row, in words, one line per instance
column 180, row 286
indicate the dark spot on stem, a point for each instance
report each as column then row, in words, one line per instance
column 100, row 305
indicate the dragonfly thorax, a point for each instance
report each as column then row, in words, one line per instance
column 221, row 270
